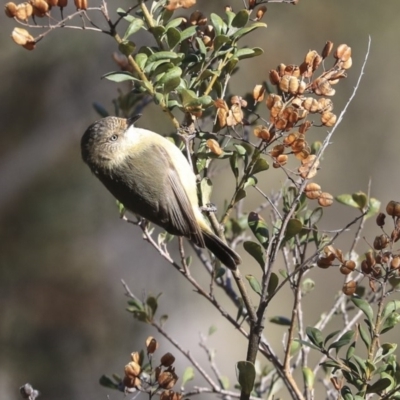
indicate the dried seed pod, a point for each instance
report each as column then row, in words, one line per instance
column 281, row 69
column 381, row 242
column 327, row 49
column 132, row 369
column 40, row 8
column 322, row 87
column 312, row 191
column 214, row 146
column 395, row 235
column 324, row 104
column 365, row 267
column 293, row 85
column 289, row 139
column 167, row 379
column 277, row 150
column 380, row 219
column 24, row 11
column 328, row 118
column 52, row 3
column 326, row 262
column 325, row 200
column 317, row 62
column 167, row 360
column 298, row 145
column 131, row 382
column 348, row 63
column 304, row 127
column 284, row 83
column 151, row 345
column 258, row 93
column 262, row 132
column 135, row 357
column 10, row 9
column 310, row 56
column 343, row 52
column 271, row 99
column 395, row 263
column 23, row 38
column 276, row 108
column 81, row 4
column 310, row 104
column 280, row 161
column 349, row 288
column 347, row 267
column 62, row 3
column 222, row 115
column 197, row 18
column 274, row 77
column 393, row 208
column 302, row 87
column 260, row 12
column 309, row 167
column 297, row 101
column 170, row 395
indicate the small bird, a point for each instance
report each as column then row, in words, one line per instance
column 151, row 177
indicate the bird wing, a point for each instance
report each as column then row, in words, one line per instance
column 178, row 206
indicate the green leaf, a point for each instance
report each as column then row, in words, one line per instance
column 212, row 329
column 255, row 285
column 173, row 37
column 163, row 319
column 361, row 199
column 107, row 382
column 381, row 384
column 133, row 27
column 241, row 194
column 308, row 344
column 293, row 227
column 219, row 41
column 171, row 79
column 163, row 55
column 347, row 200
column 330, row 336
column 202, row 47
column 280, row 320
column 174, row 23
column 153, row 304
column 241, row 19
column 272, row 283
column 233, row 161
column 188, row 32
column 246, row 375
column 219, row 25
column 315, row 216
column 119, row 76
column 390, row 322
column 315, row 336
column 259, row 228
column 390, row 307
column 225, row 382
column 260, row 165
column 244, row 31
column 256, row 251
column 206, row 190
column 308, row 376
column 385, row 350
column 188, row 375
column 241, row 54
column 374, row 206
column 307, row 286
column 344, row 340
column 365, row 336
column 141, row 59
column 365, row 308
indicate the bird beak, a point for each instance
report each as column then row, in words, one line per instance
column 132, row 120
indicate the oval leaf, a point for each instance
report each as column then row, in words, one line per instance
column 256, row 251
column 246, row 375
column 255, row 285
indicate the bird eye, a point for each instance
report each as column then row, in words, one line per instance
column 113, row 138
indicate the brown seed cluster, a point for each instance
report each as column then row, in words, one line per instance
column 230, row 116
column 381, row 262
column 162, row 377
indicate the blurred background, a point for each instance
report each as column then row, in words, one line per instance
column 63, row 249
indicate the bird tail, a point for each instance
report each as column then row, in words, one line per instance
column 221, row 250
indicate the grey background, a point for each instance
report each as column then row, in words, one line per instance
column 63, row 249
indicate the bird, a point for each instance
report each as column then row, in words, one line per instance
column 152, row 178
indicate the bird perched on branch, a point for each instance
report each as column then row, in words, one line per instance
column 151, row 177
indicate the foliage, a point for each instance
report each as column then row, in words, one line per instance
column 187, row 72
